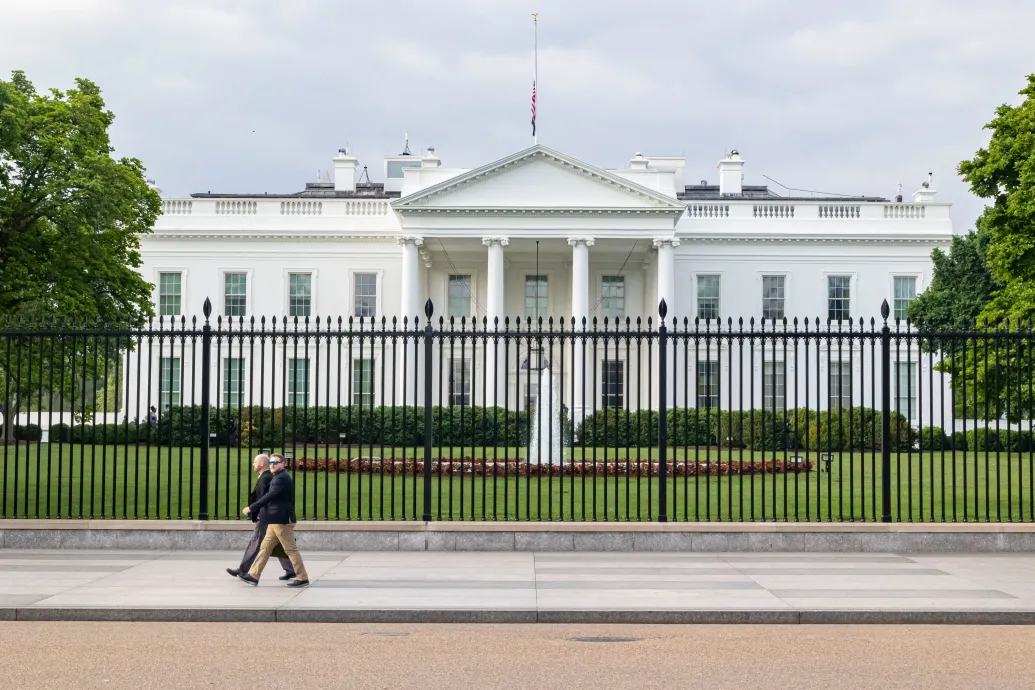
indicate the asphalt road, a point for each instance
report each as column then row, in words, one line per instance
column 237, row 655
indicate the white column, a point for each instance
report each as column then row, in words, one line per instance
column 495, row 303
column 581, row 400
column 495, row 312
column 666, row 247
column 410, row 308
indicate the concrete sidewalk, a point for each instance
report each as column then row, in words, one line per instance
column 524, row 587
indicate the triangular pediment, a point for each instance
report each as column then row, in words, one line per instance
column 538, row 179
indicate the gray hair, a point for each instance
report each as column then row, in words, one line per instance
column 263, row 459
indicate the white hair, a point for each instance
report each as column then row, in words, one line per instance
column 263, row 459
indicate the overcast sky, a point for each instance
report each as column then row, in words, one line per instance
column 257, row 95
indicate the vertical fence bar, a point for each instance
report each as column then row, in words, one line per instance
column 429, row 309
column 206, row 380
column 662, row 412
column 885, row 414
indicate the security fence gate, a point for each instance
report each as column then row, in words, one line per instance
column 429, row 419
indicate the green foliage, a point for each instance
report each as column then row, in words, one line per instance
column 961, row 286
column 71, row 217
column 28, row 432
column 992, row 440
column 858, row 429
column 1004, row 174
column 933, row 438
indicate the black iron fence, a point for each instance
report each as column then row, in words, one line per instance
column 457, row 419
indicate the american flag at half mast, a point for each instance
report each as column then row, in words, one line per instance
column 533, row 108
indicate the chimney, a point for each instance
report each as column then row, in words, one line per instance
column 429, row 159
column 731, row 174
column 638, row 162
column 926, row 193
column 345, row 171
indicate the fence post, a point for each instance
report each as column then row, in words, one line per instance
column 206, row 422
column 429, row 309
column 662, row 413
column 885, row 414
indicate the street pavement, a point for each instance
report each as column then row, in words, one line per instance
column 513, row 587
column 170, row 656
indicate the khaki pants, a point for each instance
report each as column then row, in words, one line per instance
column 285, row 536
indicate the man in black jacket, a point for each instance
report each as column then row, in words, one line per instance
column 261, row 465
column 277, row 509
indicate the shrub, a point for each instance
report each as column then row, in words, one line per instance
column 757, row 430
column 933, row 438
column 1005, row 440
column 60, row 433
column 858, row 429
column 28, row 432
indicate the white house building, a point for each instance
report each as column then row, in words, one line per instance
column 537, row 233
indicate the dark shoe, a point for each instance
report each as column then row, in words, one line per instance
column 245, row 577
column 297, row 583
column 233, row 572
column 287, row 576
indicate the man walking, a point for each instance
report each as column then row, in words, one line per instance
column 277, row 509
column 261, row 465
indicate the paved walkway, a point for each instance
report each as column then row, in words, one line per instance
column 524, row 587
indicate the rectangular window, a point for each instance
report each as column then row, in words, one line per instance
column 233, row 381
column 458, row 302
column 839, row 298
column 536, row 297
column 773, row 293
column 905, row 292
column 774, row 383
column 840, row 385
column 235, row 294
column 707, row 384
column 298, row 383
column 363, row 382
column 300, row 294
column 365, row 295
column 169, row 294
column 459, row 382
column 708, row 297
column 612, row 383
column 612, row 297
column 169, row 383
column 905, row 389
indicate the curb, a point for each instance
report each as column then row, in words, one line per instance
column 526, row 616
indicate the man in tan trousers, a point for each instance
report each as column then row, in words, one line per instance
column 277, row 509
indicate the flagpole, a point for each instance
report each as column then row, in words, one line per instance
column 535, row 77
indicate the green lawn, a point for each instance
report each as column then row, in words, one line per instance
column 149, row 482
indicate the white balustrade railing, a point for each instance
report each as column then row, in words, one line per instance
column 773, row 211
column 276, row 207
column 838, row 211
column 708, row 210
column 905, row 211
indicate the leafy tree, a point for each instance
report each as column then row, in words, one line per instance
column 71, row 217
column 961, row 286
column 990, row 274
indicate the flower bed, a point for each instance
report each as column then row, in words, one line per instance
column 497, row 468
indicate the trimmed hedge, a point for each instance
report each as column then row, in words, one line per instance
column 28, row 432
column 858, row 429
column 933, row 438
column 991, row 440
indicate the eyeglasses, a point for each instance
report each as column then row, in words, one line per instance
column 274, row 462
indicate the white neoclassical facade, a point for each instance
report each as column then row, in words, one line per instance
column 539, row 234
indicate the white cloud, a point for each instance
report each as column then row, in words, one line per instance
column 255, row 95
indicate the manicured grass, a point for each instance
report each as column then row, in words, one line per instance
column 151, row 482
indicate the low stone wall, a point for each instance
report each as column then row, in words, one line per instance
column 194, row 535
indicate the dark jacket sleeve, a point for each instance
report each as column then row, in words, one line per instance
column 278, row 488
column 261, row 486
